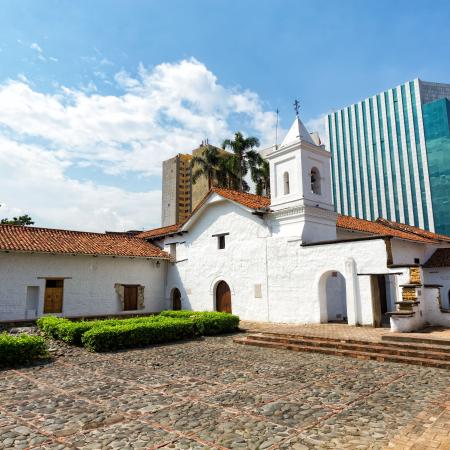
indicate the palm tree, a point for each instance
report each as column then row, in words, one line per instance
column 260, row 172
column 241, row 147
column 206, row 165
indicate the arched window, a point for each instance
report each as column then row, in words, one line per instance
column 315, row 181
column 286, row 183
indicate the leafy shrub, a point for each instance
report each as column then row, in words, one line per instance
column 112, row 337
column 180, row 314
column 71, row 332
column 207, row 323
column 210, row 323
column 21, row 348
column 50, row 325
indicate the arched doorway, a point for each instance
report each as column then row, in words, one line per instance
column 335, row 301
column 223, row 297
column 176, row 299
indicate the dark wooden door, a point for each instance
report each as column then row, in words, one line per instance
column 176, row 300
column 383, row 297
column 223, row 297
column 53, row 296
column 130, row 298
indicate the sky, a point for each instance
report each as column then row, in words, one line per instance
column 95, row 94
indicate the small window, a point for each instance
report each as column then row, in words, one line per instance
column 221, row 242
column 416, row 260
column 286, row 183
column 315, row 181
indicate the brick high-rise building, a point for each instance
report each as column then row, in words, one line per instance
column 176, row 189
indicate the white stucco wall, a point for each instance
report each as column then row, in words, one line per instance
column 441, row 276
column 242, row 264
column 88, row 289
column 288, row 274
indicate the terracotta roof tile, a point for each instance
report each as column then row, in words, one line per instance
column 47, row 240
column 440, row 258
column 388, row 228
column 251, row 201
column 158, row 232
column 415, row 230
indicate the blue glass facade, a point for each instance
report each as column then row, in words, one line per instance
column 393, row 156
column 436, row 118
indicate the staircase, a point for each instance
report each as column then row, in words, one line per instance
column 405, row 351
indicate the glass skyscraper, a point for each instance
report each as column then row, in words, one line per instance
column 391, row 156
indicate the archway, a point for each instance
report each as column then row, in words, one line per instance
column 223, row 297
column 333, row 297
column 176, row 299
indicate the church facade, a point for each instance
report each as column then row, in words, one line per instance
column 287, row 259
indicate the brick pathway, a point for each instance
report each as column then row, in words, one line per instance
column 329, row 330
column 213, row 393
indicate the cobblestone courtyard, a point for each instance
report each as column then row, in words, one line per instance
column 216, row 394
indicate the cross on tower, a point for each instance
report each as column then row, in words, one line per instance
column 296, row 107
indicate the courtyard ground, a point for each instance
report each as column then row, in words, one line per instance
column 212, row 393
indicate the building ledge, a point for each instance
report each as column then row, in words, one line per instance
column 400, row 314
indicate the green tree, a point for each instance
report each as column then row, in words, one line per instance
column 259, row 172
column 207, row 165
column 240, row 162
column 21, row 220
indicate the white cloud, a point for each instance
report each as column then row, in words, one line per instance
column 161, row 111
column 36, row 47
column 317, row 124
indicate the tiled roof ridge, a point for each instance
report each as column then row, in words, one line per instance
column 381, row 227
column 118, row 234
column 413, row 229
column 263, row 198
column 15, row 238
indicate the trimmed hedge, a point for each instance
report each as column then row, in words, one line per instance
column 207, row 323
column 71, row 332
column 110, row 337
column 113, row 334
column 21, row 348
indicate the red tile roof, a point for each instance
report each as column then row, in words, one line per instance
column 380, row 227
column 47, row 240
column 158, row 232
column 440, row 258
column 251, row 201
column 388, row 228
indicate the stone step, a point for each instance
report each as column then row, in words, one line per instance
column 413, row 340
column 359, row 354
column 387, row 347
column 428, row 351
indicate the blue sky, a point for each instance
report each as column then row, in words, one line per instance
column 95, row 94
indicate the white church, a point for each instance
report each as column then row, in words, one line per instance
column 287, row 259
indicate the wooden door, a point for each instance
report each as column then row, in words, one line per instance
column 223, row 297
column 130, row 296
column 176, row 300
column 53, row 298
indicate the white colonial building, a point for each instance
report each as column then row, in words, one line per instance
column 289, row 258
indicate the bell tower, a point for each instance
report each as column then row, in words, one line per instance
column 300, row 180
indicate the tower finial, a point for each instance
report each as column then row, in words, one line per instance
column 296, row 107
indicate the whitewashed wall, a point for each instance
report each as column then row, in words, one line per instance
column 88, row 291
column 242, row 264
column 290, row 292
column 440, row 275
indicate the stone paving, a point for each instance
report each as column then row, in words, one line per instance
column 212, row 393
